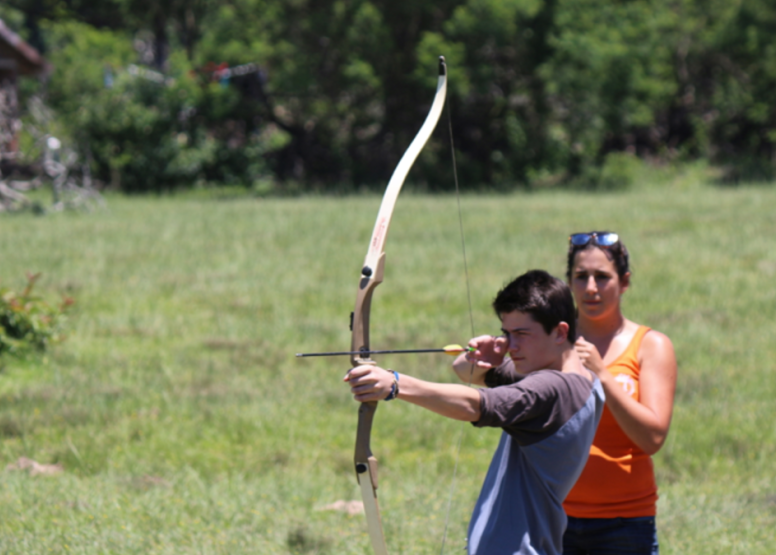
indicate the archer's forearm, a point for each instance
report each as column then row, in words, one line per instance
column 469, row 372
column 451, row 400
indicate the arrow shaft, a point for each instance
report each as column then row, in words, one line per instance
column 390, row 352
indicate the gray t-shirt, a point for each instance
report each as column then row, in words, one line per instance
column 549, row 419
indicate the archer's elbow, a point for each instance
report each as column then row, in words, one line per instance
column 473, row 407
column 474, row 414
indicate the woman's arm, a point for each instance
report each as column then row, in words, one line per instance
column 646, row 420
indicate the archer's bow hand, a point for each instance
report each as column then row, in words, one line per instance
column 370, row 383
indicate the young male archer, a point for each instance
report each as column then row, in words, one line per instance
column 548, row 407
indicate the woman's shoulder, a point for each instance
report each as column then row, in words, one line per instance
column 655, row 345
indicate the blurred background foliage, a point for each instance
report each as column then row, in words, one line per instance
column 326, row 95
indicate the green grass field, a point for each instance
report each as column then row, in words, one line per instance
column 185, row 424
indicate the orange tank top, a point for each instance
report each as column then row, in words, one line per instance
column 618, row 479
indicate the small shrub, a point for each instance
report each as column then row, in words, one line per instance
column 619, row 171
column 27, row 322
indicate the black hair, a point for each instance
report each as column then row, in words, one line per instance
column 546, row 298
column 617, row 253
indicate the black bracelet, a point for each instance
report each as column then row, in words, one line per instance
column 395, row 389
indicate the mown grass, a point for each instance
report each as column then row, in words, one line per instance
column 185, row 424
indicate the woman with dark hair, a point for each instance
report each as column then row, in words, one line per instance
column 612, row 507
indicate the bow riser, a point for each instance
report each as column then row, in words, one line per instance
column 359, row 325
column 365, row 462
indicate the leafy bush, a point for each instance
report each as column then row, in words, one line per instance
column 27, row 322
column 144, row 130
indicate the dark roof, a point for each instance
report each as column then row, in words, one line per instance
column 28, row 61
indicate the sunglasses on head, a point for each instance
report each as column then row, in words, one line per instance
column 603, row 239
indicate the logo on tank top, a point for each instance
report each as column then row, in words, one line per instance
column 628, row 384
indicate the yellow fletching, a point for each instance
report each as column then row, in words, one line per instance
column 455, row 349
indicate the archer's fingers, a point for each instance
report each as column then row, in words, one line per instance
column 368, row 388
column 481, row 341
column 357, row 372
column 361, row 381
column 372, row 395
column 362, row 389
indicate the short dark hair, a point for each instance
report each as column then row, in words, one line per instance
column 546, row 298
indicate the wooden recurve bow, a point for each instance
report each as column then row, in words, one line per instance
column 371, row 277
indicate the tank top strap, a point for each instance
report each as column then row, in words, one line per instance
column 632, row 350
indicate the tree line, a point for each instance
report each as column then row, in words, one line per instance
column 298, row 95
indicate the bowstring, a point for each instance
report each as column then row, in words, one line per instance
column 471, row 320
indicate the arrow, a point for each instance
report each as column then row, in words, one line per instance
column 451, row 350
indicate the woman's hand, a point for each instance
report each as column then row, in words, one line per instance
column 590, row 357
column 369, row 382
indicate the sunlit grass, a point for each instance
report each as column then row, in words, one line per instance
column 185, row 424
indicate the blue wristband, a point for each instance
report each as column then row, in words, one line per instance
column 395, row 389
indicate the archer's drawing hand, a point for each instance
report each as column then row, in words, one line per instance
column 589, row 355
column 489, row 351
column 369, row 382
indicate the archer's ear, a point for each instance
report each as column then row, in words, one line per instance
column 561, row 332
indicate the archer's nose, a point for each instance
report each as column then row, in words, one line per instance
column 513, row 346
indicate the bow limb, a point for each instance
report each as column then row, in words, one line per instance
column 371, row 277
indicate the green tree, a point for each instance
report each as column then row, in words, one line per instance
column 340, row 79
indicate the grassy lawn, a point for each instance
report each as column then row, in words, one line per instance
column 185, row 424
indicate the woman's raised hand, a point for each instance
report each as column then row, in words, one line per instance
column 589, row 355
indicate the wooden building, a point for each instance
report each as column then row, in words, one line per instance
column 17, row 58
